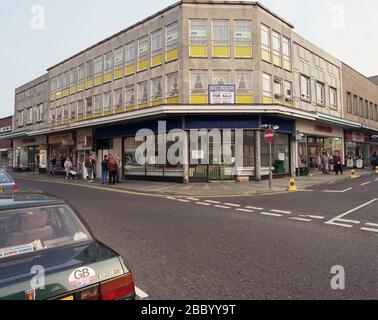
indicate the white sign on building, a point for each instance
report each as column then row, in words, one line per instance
column 222, row 94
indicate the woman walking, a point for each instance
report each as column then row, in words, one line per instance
column 112, row 168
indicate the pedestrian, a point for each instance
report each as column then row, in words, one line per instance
column 90, row 167
column 119, row 169
column 331, row 163
column 374, row 160
column 53, row 165
column 325, row 162
column 112, row 168
column 338, row 165
column 68, row 167
column 104, row 169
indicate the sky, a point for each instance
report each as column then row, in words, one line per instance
column 29, row 45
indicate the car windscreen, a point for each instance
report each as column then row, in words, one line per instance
column 29, row 230
column 4, row 178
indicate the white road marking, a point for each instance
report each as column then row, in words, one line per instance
column 339, row 218
column 370, row 229
column 245, row 210
column 312, row 216
column 141, row 294
column 271, row 214
column 254, row 208
column 341, row 225
column 203, row 203
column 171, row 198
column 300, row 219
column 232, row 205
column 182, row 200
column 306, row 190
column 211, row 201
column 366, row 183
column 349, row 221
column 193, row 199
column 280, row 211
column 372, row 224
column 338, row 191
column 222, row 207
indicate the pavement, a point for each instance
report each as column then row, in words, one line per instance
column 208, row 189
column 275, row 246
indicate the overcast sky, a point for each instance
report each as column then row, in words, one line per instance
column 345, row 28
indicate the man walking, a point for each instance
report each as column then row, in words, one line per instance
column 53, row 165
column 90, row 166
column 104, row 169
column 112, row 167
column 337, row 163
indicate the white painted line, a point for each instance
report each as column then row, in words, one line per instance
column 271, row 214
column 349, row 221
column 339, row 218
column 245, row 210
column 312, row 217
column 222, row 207
column 141, row 294
column 366, row 183
column 340, row 225
column 280, row 211
column 211, row 201
column 300, row 219
column 338, row 191
column 170, row 198
column 182, row 200
column 370, row 229
column 232, row 205
column 305, row 190
column 372, row 224
column 193, row 199
column 203, row 203
column 254, row 208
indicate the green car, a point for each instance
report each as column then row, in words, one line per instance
column 48, row 252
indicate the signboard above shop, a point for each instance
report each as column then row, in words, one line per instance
column 222, row 94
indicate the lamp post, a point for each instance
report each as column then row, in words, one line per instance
column 269, row 137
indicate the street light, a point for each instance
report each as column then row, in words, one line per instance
column 269, row 137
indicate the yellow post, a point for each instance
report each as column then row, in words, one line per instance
column 292, row 185
column 376, row 169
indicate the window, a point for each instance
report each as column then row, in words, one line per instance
column 130, row 96
column 66, row 112
column 172, row 85
column 371, row 111
column 143, row 48
column 305, row 88
column 108, row 102
column 286, row 50
column 109, row 62
column 20, row 119
column 66, row 80
column 157, row 42
column 366, row 109
column 130, row 53
column 40, row 113
column 30, row 112
column 142, row 93
column 172, row 36
column 277, row 88
column 221, row 34
column 81, row 72
column 349, row 103
column 59, row 114
column 52, row 115
column 265, row 38
column 80, row 109
column 243, row 33
column 59, row 82
column 361, row 108
column 73, row 76
column 198, row 32
column 156, row 89
column 90, row 70
column 99, row 65
column 53, row 84
column 276, row 43
column 376, row 112
column 198, row 82
column 98, row 104
column 89, row 106
column 221, row 78
column 118, row 99
column 73, row 110
column 267, row 85
column 288, row 90
column 118, row 58
column 333, row 98
column 320, row 93
column 244, row 82
column 355, row 105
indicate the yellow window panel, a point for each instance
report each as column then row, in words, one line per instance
column 118, row 74
column 89, row 84
column 52, row 97
column 277, row 60
column 173, row 100
column 131, row 108
column 108, row 113
column 98, row 80
column 265, row 55
column 289, row 103
column 119, row 110
column 277, row 101
column 108, row 77
column 130, row 70
column 198, row 51
column 98, row 115
column 142, row 106
column 198, row 99
column 72, row 89
column 157, row 60
column 244, row 99
column 142, row 65
column 157, row 103
column 243, row 52
column 287, row 65
column 65, row 92
column 172, row 54
column 221, row 51
column 58, row 95
column 81, row 86
column 267, row 100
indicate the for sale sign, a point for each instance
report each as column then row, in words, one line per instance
column 222, row 94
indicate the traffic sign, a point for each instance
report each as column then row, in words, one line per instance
column 269, row 135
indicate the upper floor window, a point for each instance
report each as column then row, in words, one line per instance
column 198, row 82
column 118, row 58
column 349, row 103
column 73, row 76
column 90, row 70
column 320, row 93
column 276, row 43
column 98, row 103
column 243, row 33
column 305, row 87
column 286, row 50
column 66, row 79
column 355, row 105
column 53, row 84
column 118, row 98
column 99, row 65
column 221, row 78
column 156, row 89
column 59, row 82
column 73, row 110
column 265, row 37
column 277, row 88
column 288, row 90
column 333, row 98
column 143, row 48
column 130, row 53
column 107, row 102
column 157, row 42
column 366, row 109
column 198, row 32
column 81, row 72
column 20, row 118
column 221, row 33
column 30, row 112
column 130, row 96
column 172, row 36
column 142, row 93
column 267, row 85
column 89, row 106
column 172, row 84
column 52, row 115
column 109, row 62
column 244, row 82
column 40, row 113
column 80, row 108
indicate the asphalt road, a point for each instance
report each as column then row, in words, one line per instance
column 279, row 246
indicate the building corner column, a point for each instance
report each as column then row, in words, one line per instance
column 258, row 155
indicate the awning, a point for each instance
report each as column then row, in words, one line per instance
column 338, row 121
column 13, row 135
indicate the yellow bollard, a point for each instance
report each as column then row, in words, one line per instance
column 292, row 185
column 376, row 169
column 353, row 175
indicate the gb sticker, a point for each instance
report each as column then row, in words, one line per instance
column 82, row 277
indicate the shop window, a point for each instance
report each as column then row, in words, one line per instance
column 172, row 87
column 130, row 97
column 172, row 41
column 198, row 87
column 333, row 98
column 156, row 91
column 118, row 100
column 249, row 149
column 132, row 167
column 221, row 78
column 280, row 154
column 243, row 39
column 73, row 111
column 244, row 87
column 142, row 94
column 305, row 88
column 89, row 107
column 265, row 43
column 108, row 103
column 98, row 104
column 320, row 94
column 198, row 39
column 267, row 88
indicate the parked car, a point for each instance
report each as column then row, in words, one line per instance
column 7, row 184
column 48, row 252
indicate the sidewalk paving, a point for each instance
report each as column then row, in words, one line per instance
column 205, row 189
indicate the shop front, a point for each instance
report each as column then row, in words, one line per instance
column 61, row 147
column 84, row 147
column 360, row 148
column 27, row 154
column 313, row 139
